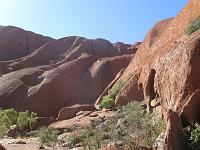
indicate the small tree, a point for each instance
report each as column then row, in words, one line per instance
column 32, row 120
column 23, row 120
column 8, row 117
column 47, row 136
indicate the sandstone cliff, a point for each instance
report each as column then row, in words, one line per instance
column 47, row 75
column 166, row 69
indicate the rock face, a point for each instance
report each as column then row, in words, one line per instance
column 166, row 64
column 16, row 42
column 166, row 67
column 173, row 139
column 49, row 74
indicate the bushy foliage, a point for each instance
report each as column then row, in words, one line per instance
column 23, row 119
column 194, row 26
column 115, row 89
column 137, row 128
column 47, row 136
column 92, row 139
column 192, row 136
column 9, row 117
column 107, row 102
column 3, row 130
column 26, row 119
column 32, row 120
column 95, row 122
column 143, row 126
column 72, row 141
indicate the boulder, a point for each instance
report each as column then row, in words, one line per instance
column 70, row 112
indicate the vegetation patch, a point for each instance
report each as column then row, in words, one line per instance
column 114, row 91
column 192, row 136
column 132, row 126
column 194, row 26
column 10, row 117
column 47, row 136
column 108, row 100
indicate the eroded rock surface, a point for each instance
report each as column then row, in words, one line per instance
column 166, row 67
column 49, row 74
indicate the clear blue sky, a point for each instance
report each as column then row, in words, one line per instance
column 116, row 20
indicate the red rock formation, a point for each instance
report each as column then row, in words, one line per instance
column 16, row 42
column 105, row 92
column 166, row 67
column 173, row 139
column 166, row 62
column 60, row 73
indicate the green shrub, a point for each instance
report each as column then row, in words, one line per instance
column 32, row 120
column 23, row 120
column 115, row 89
column 137, row 128
column 95, row 122
column 47, row 136
column 194, row 26
column 107, row 102
column 26, row 120
column 143, row 126
column 8, row 117
column 192, row 136
column 91, row 139
column 112, row 128
column 72, row 141
column 3, row 130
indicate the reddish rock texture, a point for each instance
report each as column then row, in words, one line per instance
column 166, row 67
column 57, row 73
column 191, row 111
column 173, row 139
column 2, row 148
column 70, row 112
column 166, row 62
column 16, row 42
column 82, row 120
column 105, row 92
